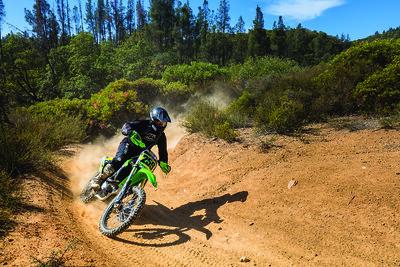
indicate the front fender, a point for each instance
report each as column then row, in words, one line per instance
column 145, row 174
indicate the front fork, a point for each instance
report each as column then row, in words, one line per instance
column 125, row 187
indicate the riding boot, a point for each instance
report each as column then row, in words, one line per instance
column 102, row 176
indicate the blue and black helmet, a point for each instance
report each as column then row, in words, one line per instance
column 159, row 116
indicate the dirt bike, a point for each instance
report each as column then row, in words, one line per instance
column 131, row 197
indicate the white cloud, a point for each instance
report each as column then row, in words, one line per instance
column 302, row 10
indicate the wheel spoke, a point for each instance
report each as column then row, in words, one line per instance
column 115, row 219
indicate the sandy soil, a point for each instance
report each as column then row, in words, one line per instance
column 225, row 201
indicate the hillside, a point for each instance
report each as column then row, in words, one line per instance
column 224, row 201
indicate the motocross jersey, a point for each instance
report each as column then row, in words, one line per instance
column 150, row 136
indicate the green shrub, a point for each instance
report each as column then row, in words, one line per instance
column 115, row 104
column 21, row 147
column 27, row 144
column 59, row 108
column 380, row 92
column 197, row 73
column 260, row 67
column 355, row 66
column 148, row 90
column 282, row 116
column 59, row 131
column 176, row 92
column 202, row 118
column 207, row 118
column 241, row 110
column 225, row 131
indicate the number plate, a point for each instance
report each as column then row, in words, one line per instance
column 148, row 161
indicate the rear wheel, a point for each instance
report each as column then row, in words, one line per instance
column 87, row 193
column 116, row 218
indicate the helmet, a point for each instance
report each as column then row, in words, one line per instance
column 159, row 117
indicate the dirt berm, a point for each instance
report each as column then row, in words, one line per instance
column 222, row 202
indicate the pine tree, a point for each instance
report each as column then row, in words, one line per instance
column 185, row 36
column 76, row 19
column 141, row 15
column 2, row 15
column 100, row 17
column 80, row 15
column 202, row 29
column 53, row 30
column 239, row 27
column 258, row 22
column 90, row 18
column 258, row 43
column 279, row 37
column 38, row 19
column 130, row 17
column 118, row 19
column 109, row 20
column 121, row 20
column 62, row 17
column 162, row 22
column 223, row 17
column 68, row 19
column 4, row 101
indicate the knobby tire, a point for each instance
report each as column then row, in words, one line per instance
column 134, row 213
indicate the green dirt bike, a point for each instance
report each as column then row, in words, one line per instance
column 131, row 197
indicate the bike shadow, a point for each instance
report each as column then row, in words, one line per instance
column 178, row 220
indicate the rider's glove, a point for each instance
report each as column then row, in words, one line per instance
column 165, row 167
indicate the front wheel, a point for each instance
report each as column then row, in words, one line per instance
column 115, row 219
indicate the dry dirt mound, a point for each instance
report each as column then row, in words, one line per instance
column 224, row 201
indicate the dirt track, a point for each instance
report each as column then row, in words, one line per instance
column 222, row 202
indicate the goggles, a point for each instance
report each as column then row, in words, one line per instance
column 160, row 123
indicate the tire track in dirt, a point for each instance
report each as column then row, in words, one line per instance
column 150, row 243
column 224, row 201
column 153, row 244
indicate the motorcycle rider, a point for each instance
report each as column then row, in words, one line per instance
column 140, row 134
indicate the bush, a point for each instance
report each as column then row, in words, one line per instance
column 197, row 73
column 380, row 92
column 354, row 67
column 391, row 122
column 115, row 104
column 59, row 108
column 282, row 116
column 202, row 118
column 206, row 118
column 241, row 110
column 176, row 92
column 225, row 131
column 148, row 90
column 254, row 68
column 27, row 144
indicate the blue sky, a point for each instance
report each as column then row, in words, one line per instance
column 358, row 18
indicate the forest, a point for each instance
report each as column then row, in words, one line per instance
column 83, row 70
